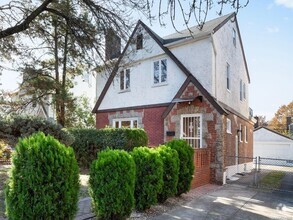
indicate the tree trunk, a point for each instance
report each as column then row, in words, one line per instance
column 62, row 103
column 57, row 78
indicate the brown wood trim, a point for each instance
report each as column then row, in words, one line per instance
column 224, row 22
column 134, row 107
column 114, row 71
column 229, row 109
column 205, row 93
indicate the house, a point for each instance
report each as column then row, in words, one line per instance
column 191, row 85
column 268, row 143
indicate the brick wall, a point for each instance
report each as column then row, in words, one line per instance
column 148, row 118
column 212, row 135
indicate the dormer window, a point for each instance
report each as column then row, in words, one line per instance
column 125, row 80
column 234, row 37
column 139, row 41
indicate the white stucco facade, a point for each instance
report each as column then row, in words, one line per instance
column 228, row 53
column 206, row 58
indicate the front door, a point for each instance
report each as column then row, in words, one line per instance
column 191, row 126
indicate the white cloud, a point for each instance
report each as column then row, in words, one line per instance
column 273, row 30
column 286, row 3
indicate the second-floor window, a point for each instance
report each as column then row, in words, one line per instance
column 244, row 91
column 125, row 80
column 241, row 92
column 160, row 71
column 228, row 77
column 234, row 37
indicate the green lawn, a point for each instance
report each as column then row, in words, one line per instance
column 83, row 192
column 272, row 179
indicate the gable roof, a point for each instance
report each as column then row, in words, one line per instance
column 212, row 25
column 205, row 93
column 273, row 131
column 194, row 32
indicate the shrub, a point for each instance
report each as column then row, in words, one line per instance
column 186, row 165
column 112, row 178
column 44, row 183
column 23, row 126
column 149, row 177
column 90, row 141
column 170, row 172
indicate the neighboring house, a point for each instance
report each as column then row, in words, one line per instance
column 191, row 85
column 35, row 108
column 271, row 144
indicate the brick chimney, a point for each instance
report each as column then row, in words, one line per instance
column 113, row 45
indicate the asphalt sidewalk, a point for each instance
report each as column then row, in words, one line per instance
column 234, row 201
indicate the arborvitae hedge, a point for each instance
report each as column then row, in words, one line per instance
column 112, row 178
column 170, row 172
column 149, row 177
column 23, row 126
column 186, row 165
column 44, row 182
column 90, row 141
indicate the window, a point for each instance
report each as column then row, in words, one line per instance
column 244, row 91
column 241, row 94
column 125, row 122
column 139, row 41
column 245, row 134
column 160, row 71
column 229, row 126
column 234, row 37
column 228, row 76
column 240, row 133
column 125, row 80
column 191, row 129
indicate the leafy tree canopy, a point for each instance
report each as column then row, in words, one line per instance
column 279, row 121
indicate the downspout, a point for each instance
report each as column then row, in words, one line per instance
column 215, row 65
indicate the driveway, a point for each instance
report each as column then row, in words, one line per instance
column 235, row 202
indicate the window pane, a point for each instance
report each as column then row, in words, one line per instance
column 156, row 72
column 139, row 41
column 122, row 80
column 116, row 124
column 241, row 90
column 125, row 124
column 244, row 92
column 228, row 76
column 134, row 123
column 163, row 70
column 127, row 79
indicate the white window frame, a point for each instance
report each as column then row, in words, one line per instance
column 244, row 91
column 229, row 126
column 240, row 133
column 200, row 127
column 234, row 36
column 160, row 72
column 228, row 77
column 245, row 134
column 241, row 90
column 125, row 71
column 120, row 120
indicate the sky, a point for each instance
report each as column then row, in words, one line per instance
column 266, row 28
